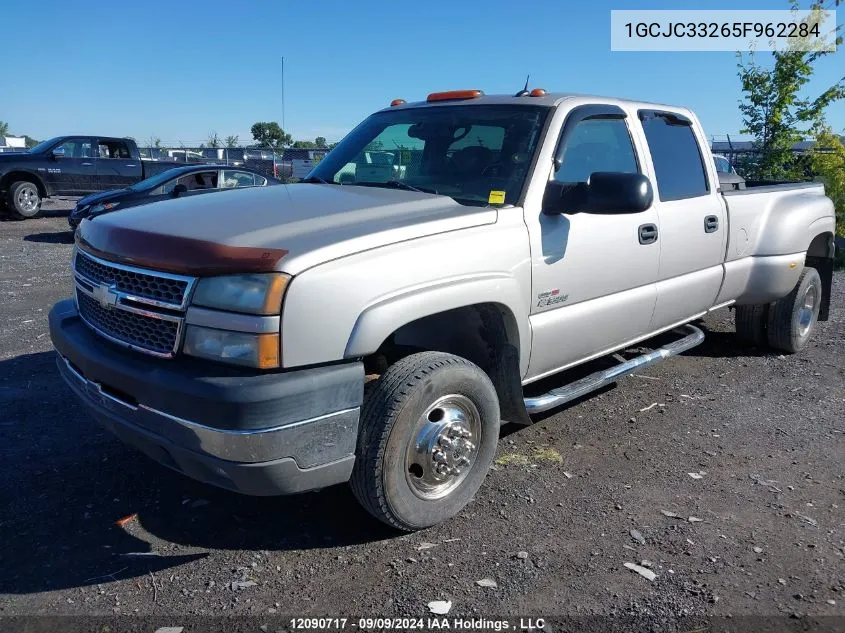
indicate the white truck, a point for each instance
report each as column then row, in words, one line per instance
column 283, row 339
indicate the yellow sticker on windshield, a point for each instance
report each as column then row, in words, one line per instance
column 496, row 197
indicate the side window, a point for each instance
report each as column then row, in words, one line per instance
column 113, row 149
column 678, row 166
column 600, row 144
column 233, row 179
column 260, row 181
column 77, row 148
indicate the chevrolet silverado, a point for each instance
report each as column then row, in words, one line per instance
column 377, row 326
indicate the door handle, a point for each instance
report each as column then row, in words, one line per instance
column 648, row 233
column 130, row 165
column 87, row 164
column 711, row 224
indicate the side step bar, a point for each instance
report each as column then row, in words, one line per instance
column 556, row 397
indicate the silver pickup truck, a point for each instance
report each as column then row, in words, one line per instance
column 378, row 322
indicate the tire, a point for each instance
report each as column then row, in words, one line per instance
column 24, row 200
column 793, row 318
column 751, row 324
column 413, row 413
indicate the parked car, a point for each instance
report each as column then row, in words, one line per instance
column 231, row 337
column 728, row 178
column 173, row 183
column 70, row 166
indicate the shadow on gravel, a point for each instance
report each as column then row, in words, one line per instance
column 724, row 345
column 66, row 482
column 61, row 237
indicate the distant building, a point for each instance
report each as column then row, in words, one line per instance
column 11, row 143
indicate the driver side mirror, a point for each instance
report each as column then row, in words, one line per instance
column 605, row 192
column 58, row 152
column 179, row 189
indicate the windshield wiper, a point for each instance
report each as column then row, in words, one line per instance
column 396, row 184
column 317, row 180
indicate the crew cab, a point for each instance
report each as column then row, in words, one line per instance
column 380, row 330
column 70, row 166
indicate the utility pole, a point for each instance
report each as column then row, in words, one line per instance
column 283, row 93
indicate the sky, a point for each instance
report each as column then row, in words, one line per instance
column 178, row 70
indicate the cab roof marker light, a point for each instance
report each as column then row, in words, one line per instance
column 397, row 102
column 538, row 92
column 451, row 95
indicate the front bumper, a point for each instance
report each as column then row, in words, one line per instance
column 254, row 433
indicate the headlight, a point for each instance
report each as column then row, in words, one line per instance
column 239, row 348
column 252, row 294
column 107, row 206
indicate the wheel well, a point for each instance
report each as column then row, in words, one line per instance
column 485, row 334
column 820, row 256
column 17, row 176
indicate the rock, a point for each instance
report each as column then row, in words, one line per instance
column 425, row 545
column 170, row 629
column 642, row 571
column 831, row 602
column 757, row 550
column 639, row 538
column 487, row 582
column 671, row 515
column 698, row 475
column 522, row 555
column 646, row 563
column 440, row 607
column 242, row 584
column 782, row 581
column 695, row 520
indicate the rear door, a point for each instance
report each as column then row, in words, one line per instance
column 691, row 214
column 116, row 168
column 74, row 172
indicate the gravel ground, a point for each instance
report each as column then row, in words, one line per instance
column 731, row 487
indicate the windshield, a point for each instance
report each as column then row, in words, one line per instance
column 476, row 154
column 154, row 181
column 43, row 145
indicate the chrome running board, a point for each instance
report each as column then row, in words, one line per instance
column 572, row 391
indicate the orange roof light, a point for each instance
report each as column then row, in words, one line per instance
column 537, row 92
column 397, row 102
column 454, row 94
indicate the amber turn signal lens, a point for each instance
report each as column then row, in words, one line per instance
column 269, row 351
column 454, row 94
column 537, row 92
column 396, row 102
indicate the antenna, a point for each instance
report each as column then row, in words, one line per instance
column 524, row 91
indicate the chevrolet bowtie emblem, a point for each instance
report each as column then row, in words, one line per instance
column 106, row 295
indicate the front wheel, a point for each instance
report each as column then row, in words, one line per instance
column 793, row 318
column 24, row 199
column 429, row 430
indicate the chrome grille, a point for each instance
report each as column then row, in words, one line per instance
column 137, row 330
column 169, row 289
column 140, row 309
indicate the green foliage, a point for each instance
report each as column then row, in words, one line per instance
column 4, row 128
column 828, row 163
column 304, row 145
column 269, row 134
column 232, row 141
column 320, row 142
column 154, row 141
column 213, row 140
column 29, row 141
column 775, row 113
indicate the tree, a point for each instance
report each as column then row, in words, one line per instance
column 4, row 128
column 772, row 110
column 320, row 142
column 828, row 162
column 269, row 134
column 304, row 144
column 232, row 141
column 154, row 141
column 213, row 140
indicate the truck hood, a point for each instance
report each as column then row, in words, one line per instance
column 18, row 158
column 285, row 228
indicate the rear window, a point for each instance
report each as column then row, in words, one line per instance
column 676, row 156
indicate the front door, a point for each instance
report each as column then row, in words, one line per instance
column 72, row 171
column 592, row 274
column 692, row 218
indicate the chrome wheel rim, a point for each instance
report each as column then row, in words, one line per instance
column 807, row 311
column 443, row 447
column 27, row 198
